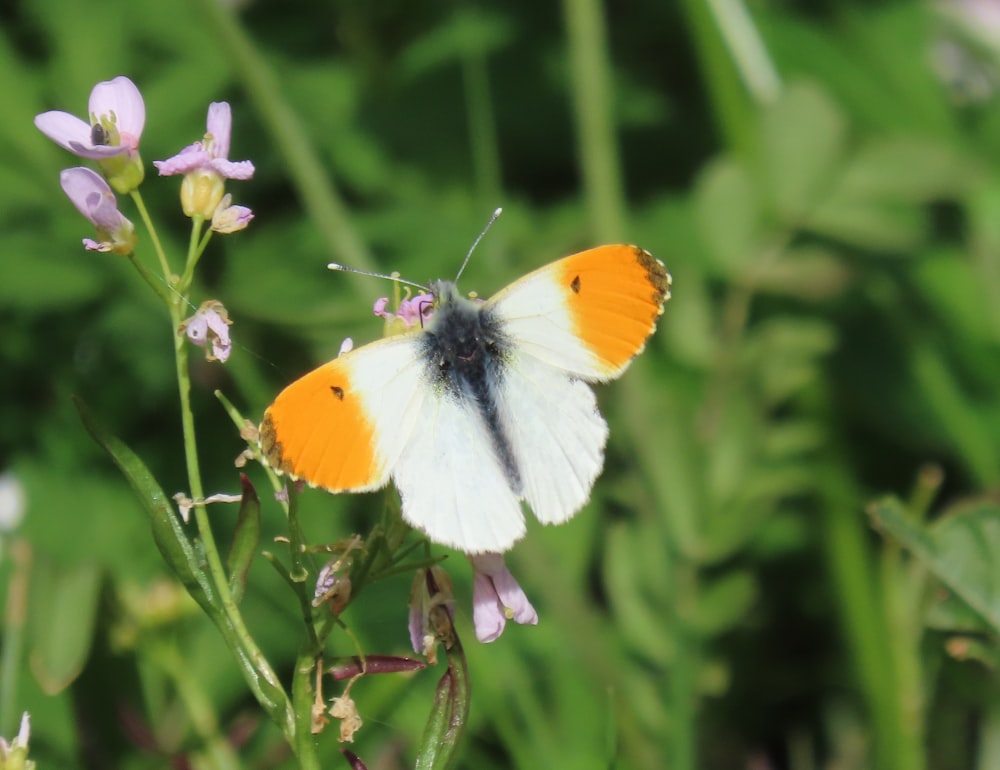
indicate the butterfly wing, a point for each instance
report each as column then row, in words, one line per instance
column 452, row 483
column 589, row 314
column 556, row 433
column 584, row 317
column 339, row 426
column 371, row 413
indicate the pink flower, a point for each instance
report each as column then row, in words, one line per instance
column 497, row 597
column 93, row 198
column 117, row 117
column 411, row 312
column 228, row 218
column 206, row 165
column 210, row 325
column 111, row 137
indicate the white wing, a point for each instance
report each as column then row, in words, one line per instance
column 590, row 313
column 341, row 426
column 452, row 483
column 556, row 433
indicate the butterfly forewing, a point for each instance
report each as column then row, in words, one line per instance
column 589, row 314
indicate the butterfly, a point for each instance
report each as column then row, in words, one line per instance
column 483, row 406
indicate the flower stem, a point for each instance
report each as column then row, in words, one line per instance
column 196, row 247
column 198, row 706
column 15, row 620
column 236, row 633
column 590, row 72
column 155, row 285
column 153, row 237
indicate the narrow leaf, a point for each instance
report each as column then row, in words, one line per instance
column 245, row 540
column 63, row 624
column 168, row 531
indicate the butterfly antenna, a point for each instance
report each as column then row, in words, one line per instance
column 393, row 277
column 475, row 243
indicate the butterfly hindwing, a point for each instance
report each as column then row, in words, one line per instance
column 556, row 434
column 451, row 481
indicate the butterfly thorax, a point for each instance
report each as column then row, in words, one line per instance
column 466, row 353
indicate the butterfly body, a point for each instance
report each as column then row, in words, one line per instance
column 485, row 406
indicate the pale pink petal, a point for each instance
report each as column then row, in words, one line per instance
column 414, row 310
column 228, row 169
column 197, row 329
column 219, row 126
column 487, row 612
column 121, row 97
column 210, row 324
column 496, row 596
column 191, row 158
column 63, row 128
column 415, row 624
column 379, row 308
column 230, row 219
column 91, row 195
column 91, row 245
column 512, row 597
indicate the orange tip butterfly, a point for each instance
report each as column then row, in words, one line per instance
column 485, row 406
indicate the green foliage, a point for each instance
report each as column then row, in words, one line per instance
column 826, row 195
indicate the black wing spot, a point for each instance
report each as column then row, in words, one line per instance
column 337, row 391
column 575, row 285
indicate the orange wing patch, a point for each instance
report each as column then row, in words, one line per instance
column 317, row 430
column 616, row 295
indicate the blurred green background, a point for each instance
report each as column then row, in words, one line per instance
column 821, row 178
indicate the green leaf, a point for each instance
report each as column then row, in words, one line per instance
column 802, row 141
column 245, row 540
column 63, row 628
column 961, row 549
column 728, row 214
column 872, row 225
column 909, row 169
column 723, row 602
column 168, row 531
column 183, row 560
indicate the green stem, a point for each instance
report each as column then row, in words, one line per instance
column 872, row 647
column 303, row 698
column 196, row 247
column 153, row 237
column 158, row 287
column 733, row 109
column 590, row 70
column 198, row 707
column 683, row 688
column 235, row 632
column 739, row 34
column 482, row 126
column 15, row 615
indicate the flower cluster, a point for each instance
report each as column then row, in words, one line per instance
column 206, row 167
column 117, row 116
column 111, row 136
